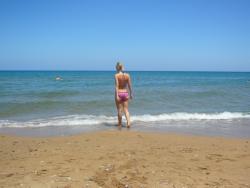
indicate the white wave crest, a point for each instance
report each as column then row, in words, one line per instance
column 79, row 120
column 191, row 116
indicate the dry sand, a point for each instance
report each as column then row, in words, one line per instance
column 124, row 159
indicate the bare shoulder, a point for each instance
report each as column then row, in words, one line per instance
column 127, row 75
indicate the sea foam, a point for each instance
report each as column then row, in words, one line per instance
column 84, row 120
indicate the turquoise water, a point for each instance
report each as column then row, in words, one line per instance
column 86, row 99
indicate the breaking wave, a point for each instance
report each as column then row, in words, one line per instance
column 84, row 120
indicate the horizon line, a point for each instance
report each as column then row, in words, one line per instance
column 89, row 70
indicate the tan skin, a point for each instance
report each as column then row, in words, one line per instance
column 122, row 84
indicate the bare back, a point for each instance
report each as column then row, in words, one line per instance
column 123, row 80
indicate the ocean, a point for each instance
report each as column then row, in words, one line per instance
column 203, row 103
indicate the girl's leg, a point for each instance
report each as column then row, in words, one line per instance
column 119, row 113
column 125, row 108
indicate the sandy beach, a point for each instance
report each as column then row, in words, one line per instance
column 124, row 159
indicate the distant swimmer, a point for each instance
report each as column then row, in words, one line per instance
column 58, row 78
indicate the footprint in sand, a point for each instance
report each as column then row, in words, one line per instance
column 218, row 158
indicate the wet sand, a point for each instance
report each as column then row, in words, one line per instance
column 124, row 159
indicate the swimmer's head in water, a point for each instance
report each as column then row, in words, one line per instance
column 119, row 67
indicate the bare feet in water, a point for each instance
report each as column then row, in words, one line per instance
column 119, row 127
column 128, row 126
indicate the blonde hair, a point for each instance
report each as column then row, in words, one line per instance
column 119, row 66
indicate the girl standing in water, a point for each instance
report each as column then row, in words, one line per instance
column 123, row 92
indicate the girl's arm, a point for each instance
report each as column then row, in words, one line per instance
column 130, row 86
column 116, row 87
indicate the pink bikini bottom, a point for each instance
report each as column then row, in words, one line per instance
column 123, row 96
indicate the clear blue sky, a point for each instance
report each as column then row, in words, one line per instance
column 144, row 34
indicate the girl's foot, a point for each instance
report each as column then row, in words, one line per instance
column 128, row 126
column 119, row 126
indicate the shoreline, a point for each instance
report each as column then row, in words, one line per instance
column 114, row 158
column 233, row 129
